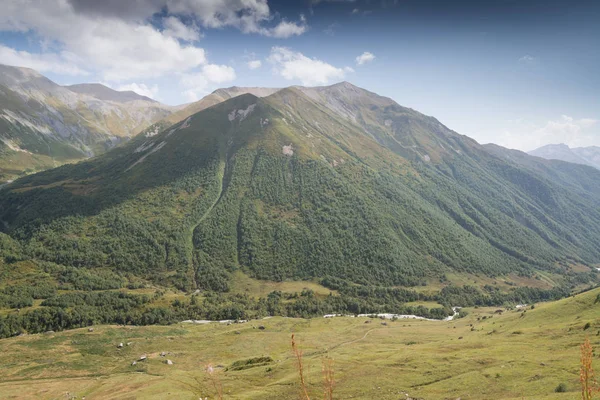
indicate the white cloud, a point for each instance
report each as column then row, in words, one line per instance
column 197, row 84
column 330, row 30
column 285, row 29
column 364, row 58
column 527, row 136
column 254, row 64
column 141, row 89
column 60, row 63
column 218, row 73
column 249, row 16
column 116, row 39
column 526, row 59
column 309, row 71
column 177, row 29
column 118, row 48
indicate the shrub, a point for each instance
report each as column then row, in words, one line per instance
column 561, row 388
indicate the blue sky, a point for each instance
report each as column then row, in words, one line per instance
column 520, row 73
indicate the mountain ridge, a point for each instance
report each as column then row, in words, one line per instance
column 103, row 92
column 354, row 188
column 43, row 124
column 578, row 155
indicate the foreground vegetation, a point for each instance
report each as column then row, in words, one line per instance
column 531, row 353
column 38, row 296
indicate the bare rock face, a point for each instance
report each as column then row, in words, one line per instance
column 54, row 124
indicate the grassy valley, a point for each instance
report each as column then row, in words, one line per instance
column 517, row 354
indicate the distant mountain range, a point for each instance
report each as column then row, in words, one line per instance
column 102, row 92
column 43, row 124
column 578, row 155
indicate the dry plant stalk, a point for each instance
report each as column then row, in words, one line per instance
column 300, row 367
column 328, row 379
column 586, row 374
column 216, row 382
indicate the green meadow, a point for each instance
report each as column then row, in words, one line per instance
column 519, row 354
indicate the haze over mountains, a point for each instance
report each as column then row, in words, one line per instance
column 578, row 155
column 333, row 183
column 43, row 124
column 102, row 92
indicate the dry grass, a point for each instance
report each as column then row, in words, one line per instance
column 215, row 381
column 589, row 386
column 300, row 368
column 328, row 378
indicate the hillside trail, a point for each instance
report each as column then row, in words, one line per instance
column 355, row 340
column 221, row 170
column 192, row 228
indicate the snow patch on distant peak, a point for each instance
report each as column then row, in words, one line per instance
column 152, row 133
column 186, row 124
column 143, row 147
column 288, row 150
column 142, row 158
column 13, row 118
column 14, row 147
column 240, row 114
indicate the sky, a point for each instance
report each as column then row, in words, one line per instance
column 519, row 73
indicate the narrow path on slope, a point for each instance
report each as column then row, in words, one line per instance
column 355, row 340
column 221, row 171
column 220, row 175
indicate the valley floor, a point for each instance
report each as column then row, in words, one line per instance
column 516, row 355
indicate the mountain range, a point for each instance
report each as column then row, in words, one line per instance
column 578, row 155
column 43, row 124
column 333, row 183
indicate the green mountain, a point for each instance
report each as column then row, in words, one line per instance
column 304, row 183
column 43, row 124
column 213, row 98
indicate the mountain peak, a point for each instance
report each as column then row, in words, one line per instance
column 21, row 77
column 24, row 71
column 580, row 155
column 555, row 146
column 102, row 92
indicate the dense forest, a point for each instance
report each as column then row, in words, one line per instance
column 285, row 188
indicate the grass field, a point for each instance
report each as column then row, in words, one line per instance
column 516, row 355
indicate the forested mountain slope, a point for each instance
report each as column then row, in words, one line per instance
column 332, row 182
